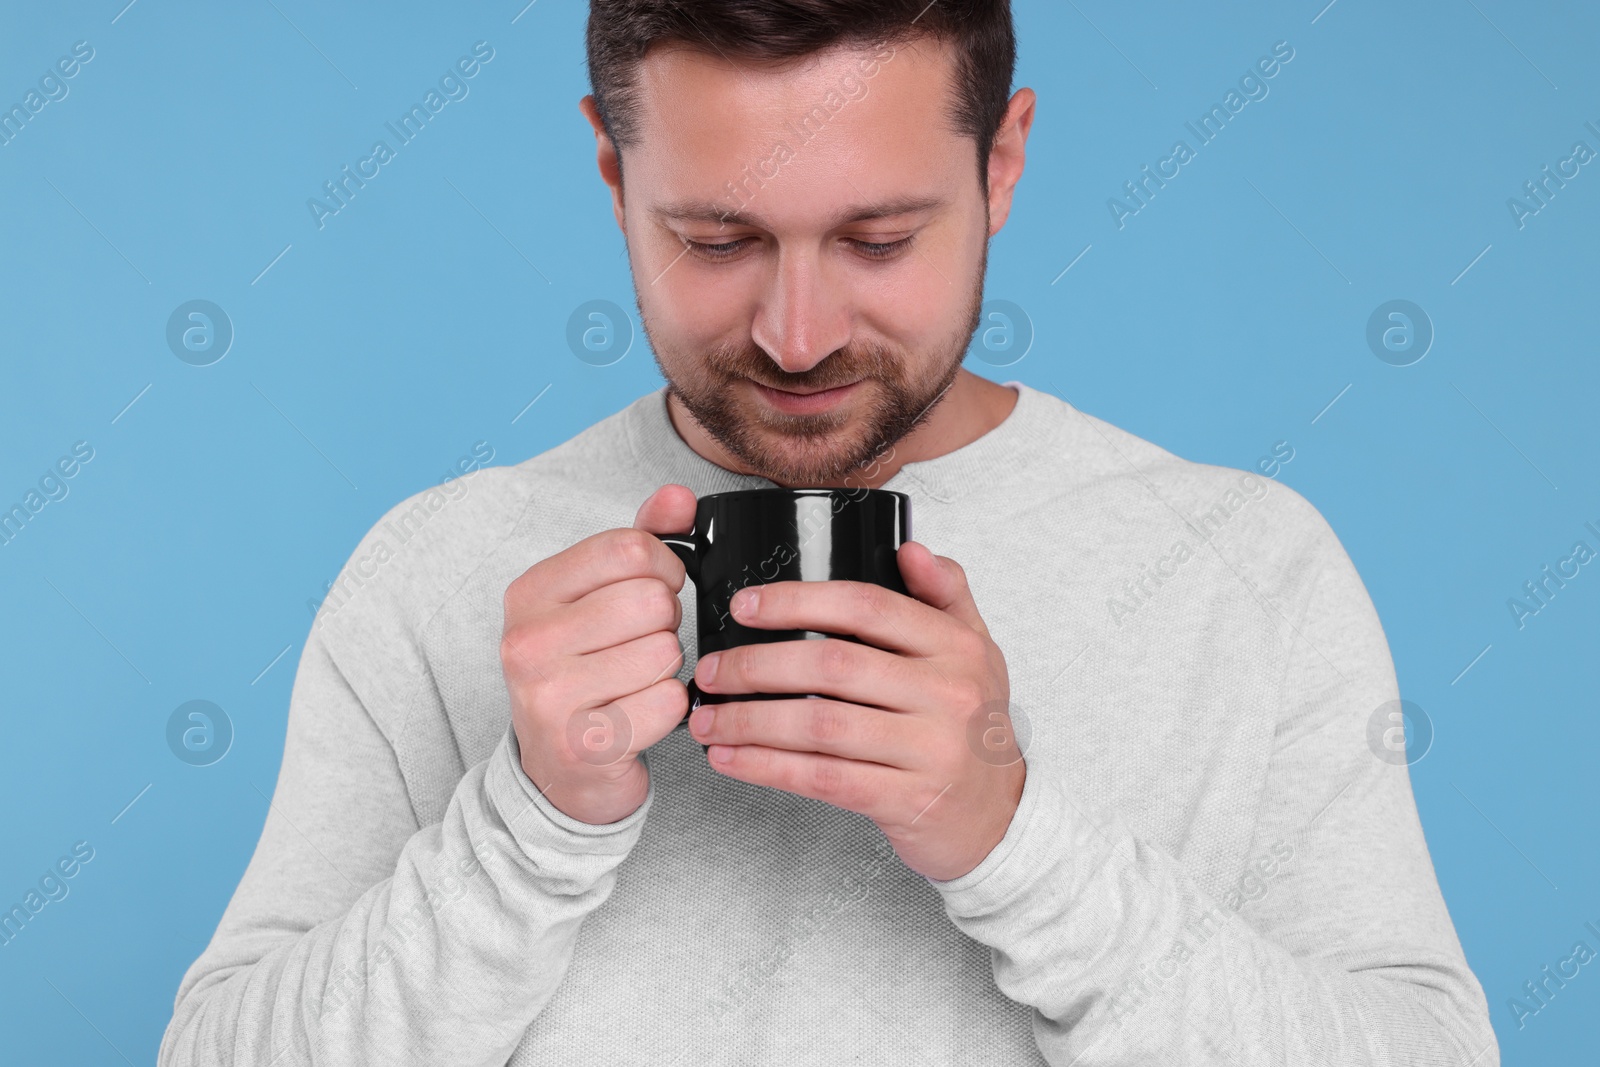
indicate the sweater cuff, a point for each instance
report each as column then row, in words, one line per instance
column 1032, row 846
column 536, row 823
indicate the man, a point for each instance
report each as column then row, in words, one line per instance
column 1188, row 853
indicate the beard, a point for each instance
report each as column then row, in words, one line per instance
column 827, row 447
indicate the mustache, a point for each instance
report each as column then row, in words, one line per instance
column 842, row 367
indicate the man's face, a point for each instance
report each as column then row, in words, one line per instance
column 754, row 268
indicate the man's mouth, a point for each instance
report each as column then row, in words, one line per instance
column 803, row 403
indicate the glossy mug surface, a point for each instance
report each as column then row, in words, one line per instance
column 755, row 536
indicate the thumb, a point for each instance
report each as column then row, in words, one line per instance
column 939, row 582
column 668, row 510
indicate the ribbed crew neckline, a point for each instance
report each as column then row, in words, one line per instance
column 983, row 464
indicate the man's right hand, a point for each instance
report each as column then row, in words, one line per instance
column 590, row 655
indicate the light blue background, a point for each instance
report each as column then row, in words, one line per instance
column 425, row 316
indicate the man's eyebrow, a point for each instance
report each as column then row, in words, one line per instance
column 709, row 211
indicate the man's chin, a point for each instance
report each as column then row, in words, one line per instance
column 830, row 447
column 792, row 457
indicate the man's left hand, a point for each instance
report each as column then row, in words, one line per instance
column 910, row 729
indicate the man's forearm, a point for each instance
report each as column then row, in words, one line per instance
column 448, row 960
column 1127, row 961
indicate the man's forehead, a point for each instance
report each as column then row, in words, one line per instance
column 675, row 69
column 707, row 124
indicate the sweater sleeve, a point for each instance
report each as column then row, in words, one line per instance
column 1340, row 951
column 358, row 937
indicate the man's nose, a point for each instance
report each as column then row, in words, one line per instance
column 804, row 313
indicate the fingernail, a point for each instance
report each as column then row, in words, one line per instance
column 720, row 753
column 745, row 601
column 700, row 722
column 708, row 669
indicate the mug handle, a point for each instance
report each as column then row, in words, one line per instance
column 682, row 546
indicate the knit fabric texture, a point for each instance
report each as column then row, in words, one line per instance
column 1212, row 860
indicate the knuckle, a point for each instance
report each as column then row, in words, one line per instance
column 668, row 695
column 547, row 688
column 669, row 642
column 630, row 550
column 972, row 646
column 826, row 778
column 731, row 667
column 663, row 605
column 516, row 592
column 662, row 648
column 826, row 723
column 733, row 719
column 518, row 647
column 970, row 695
column 876, row 596
column 835, row 660
column 870, row 730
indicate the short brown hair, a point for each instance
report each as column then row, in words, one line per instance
column 621, row 31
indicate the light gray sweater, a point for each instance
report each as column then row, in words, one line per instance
column 1210, row 863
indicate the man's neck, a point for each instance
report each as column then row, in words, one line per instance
column 971, row 407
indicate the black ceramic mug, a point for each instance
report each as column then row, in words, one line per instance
column 755, row 536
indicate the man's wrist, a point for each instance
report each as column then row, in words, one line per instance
column 581, row 809
column 994, row 879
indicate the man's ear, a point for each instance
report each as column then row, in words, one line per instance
column 1008, row 156
column 607, row 157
